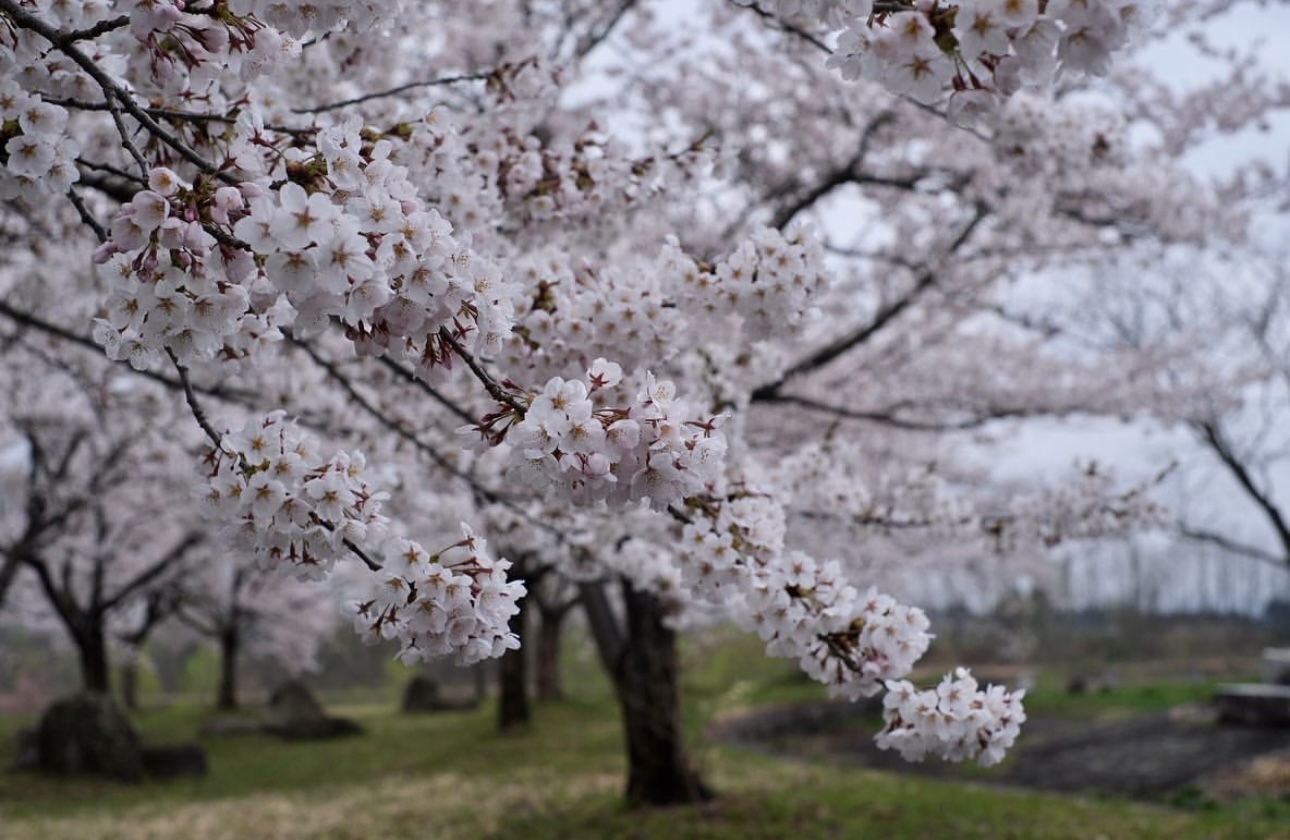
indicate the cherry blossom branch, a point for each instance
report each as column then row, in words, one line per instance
column 1211, row 434
column 199, row 414
column 1232, row 546
column 888, row 418
column 384, row 419
column 65, row 44
column 101, row 28
column 592, row 39
column 27, row 319
column 175, row 115
column 87, row 218
column 494, row 389
column 785, row 26
column 423, row 386
column 395, row 91
column 885, row 316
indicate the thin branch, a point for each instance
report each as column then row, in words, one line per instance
column 886, row 315
column 27, row 319
column 785, row 26
column 156, row 570
column 381, row 417
column 887, row 418
column 490, row 384
column 394, row 91
column 416, row 381
column 1232, row 546
column 199, row 414
column 1213, row 436
column 593, row 39
column 86, row 217
column 65, row 44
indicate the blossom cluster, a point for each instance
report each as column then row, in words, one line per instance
column 170, row 287
column 856, row 644
column 802, row 608
column 284, row 502
column 771, row 281
column 297, row 511
column 204, row 270
column 571, row 439
column 649, row 311
column 979, row 51
column 956, row 721
column 455, row 602
column 38, row 152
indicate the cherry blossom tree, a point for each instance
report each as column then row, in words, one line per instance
column 248, row 610
column 569, row 284
column 1226, row 326
column 88, row 476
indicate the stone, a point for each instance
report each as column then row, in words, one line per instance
column 294, row 714
column 421, row 694
column 1253, row 704
column 88, row 735
column 291, row 703
column 1276, row 666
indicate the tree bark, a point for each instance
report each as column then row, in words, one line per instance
column 642, row 660
column 230, row 643
column 513, row 708
column 91, row 648
column 549, row 684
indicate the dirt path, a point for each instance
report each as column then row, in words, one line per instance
column 1148, row 756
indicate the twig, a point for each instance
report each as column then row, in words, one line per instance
column 494, row 390
column 65, row 44
column 394, row 91
column 199, row 414
column 86, row 217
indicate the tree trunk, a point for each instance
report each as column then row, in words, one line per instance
column 129, row 673
column 91, row 647
column 513, row 709
column 644, row 666
column 229, row 646
column 549, row 684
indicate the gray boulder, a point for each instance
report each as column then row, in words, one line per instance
column 294, row 714
column 88, row 735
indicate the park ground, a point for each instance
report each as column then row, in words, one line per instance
column 452, row 775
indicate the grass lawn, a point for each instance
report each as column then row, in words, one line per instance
column 452, row 776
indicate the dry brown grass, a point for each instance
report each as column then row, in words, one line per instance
column 429, row 808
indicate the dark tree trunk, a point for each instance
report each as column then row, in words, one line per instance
column 644, row 665
column 129, row 673
column 91, row 647
column 513, row 708
column 549, row 684
column 230, row 643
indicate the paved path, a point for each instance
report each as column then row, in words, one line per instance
column 1147, row 756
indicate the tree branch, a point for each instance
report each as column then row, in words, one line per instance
column 1212, row 436
column 885, row 316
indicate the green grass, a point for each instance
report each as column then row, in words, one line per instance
column 453, row 776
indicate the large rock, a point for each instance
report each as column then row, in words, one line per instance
column 1253, row 704
column 295, row 714
column 421, row 694
column 1276, row 666
column 88, row 734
